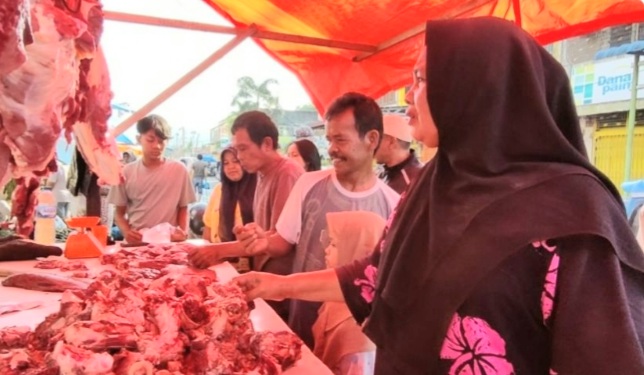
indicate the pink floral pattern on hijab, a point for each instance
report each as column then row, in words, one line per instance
column 368, row 284
column 475, row 348
column 550, row 285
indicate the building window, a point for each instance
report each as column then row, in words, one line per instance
column 640, row 31
column 620, row 35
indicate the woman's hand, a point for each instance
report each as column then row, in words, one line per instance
column 262, row 285
column 204, row 256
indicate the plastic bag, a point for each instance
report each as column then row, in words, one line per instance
column 161, row 233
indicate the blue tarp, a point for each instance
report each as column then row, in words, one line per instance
column 635, row 195
column 209, row 158
column 632, row 48
column 633, row 187
column 124, row 140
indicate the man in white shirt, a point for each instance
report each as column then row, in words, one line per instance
column 58, row 184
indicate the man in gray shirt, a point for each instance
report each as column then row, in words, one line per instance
column 156, row 190
column 199, row 175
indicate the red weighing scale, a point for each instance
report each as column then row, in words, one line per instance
column 88, row 240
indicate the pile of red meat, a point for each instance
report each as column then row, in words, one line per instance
column 147, row 319
column 150, row 256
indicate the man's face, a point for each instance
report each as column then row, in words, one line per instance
column 251, row 156
column 152, row 145
column 347, row 149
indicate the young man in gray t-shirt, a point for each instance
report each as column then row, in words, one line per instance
column 156, row 190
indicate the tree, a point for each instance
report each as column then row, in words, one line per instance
column 253, row 96
column 306, row 107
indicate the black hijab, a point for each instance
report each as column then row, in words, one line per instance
column 511, row 169
column 233, row 192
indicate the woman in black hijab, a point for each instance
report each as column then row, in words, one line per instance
column 511, row 253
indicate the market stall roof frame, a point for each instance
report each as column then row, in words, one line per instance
column 370, row 46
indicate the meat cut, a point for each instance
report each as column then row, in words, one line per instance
column 14, row 16
column 168, row 319
column 18, row 248
column 43, row 282
column 53, row 76
column 63, row 265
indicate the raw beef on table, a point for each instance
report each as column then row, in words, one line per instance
column 165, row 320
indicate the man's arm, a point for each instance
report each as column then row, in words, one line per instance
column 278, row 246
column 121, row 221
column 130, row 235
column 182, row 218
column 250, row 244
column 255, row 241
column 208, row 255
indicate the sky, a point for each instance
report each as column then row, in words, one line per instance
column 144, row 60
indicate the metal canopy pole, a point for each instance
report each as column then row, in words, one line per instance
column 259, row 34
column 632, row 112
column 419, row 29
column 181, row 82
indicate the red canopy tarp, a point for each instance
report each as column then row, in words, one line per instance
column 327, row 72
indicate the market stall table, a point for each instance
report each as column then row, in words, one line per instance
column 263, row 317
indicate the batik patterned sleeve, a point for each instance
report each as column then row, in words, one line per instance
column 358, row 284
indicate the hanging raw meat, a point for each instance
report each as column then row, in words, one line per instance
column 90, row 107
column 53, row 76
column 90, row 131
column 32, row 95
column 14, row 16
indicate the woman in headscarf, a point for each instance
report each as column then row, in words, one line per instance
column 231, row 202
column 339, row 341
column 511, row 253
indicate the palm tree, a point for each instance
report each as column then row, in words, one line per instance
column 253, row 96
